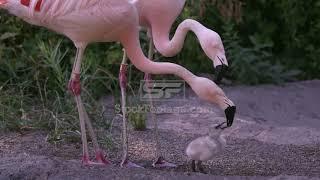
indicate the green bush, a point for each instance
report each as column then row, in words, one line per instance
column 293, row 27
column 289, row 28
column 254, row 64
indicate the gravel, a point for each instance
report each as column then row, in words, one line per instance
column 260, row 145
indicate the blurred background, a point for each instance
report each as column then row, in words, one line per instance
column 272, row 41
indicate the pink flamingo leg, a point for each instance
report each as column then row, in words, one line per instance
column 100, row 157
column 75, row 88
column 160, row 160
column 123, row 86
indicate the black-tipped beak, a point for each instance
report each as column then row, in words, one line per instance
column 219, row 73
column 230, row 112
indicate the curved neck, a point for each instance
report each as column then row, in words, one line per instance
column 132, row 45
column 172, row 47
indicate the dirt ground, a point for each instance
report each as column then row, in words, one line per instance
column 275, row 136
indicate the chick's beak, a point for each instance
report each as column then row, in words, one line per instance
column 230, row 113
column 2, row 2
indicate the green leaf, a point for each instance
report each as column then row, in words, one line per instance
column 8, row 35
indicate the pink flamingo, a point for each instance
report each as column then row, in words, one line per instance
column 159, row 15
column 88, row 21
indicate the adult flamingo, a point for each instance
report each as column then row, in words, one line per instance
column 159, row 15
column 88, row 21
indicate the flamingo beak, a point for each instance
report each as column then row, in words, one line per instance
column 220, row 70
column 3, row 2
column 219, row 73
column 230, row 113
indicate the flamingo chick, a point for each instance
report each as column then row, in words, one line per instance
column 206, row 148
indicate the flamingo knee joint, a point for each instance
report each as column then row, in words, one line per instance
column 74, row 85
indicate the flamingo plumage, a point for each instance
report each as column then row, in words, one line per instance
column 89, row 21
column 159, row 15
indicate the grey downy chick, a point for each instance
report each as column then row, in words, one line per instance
column 206, row 148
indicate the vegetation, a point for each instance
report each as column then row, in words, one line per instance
column 275, row 40
column 266, row 42
column 138, row 121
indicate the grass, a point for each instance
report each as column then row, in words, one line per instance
column 35, row 96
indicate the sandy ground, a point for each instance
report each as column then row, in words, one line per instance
column 275, row 136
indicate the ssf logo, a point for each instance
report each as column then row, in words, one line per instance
column 163, row 90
